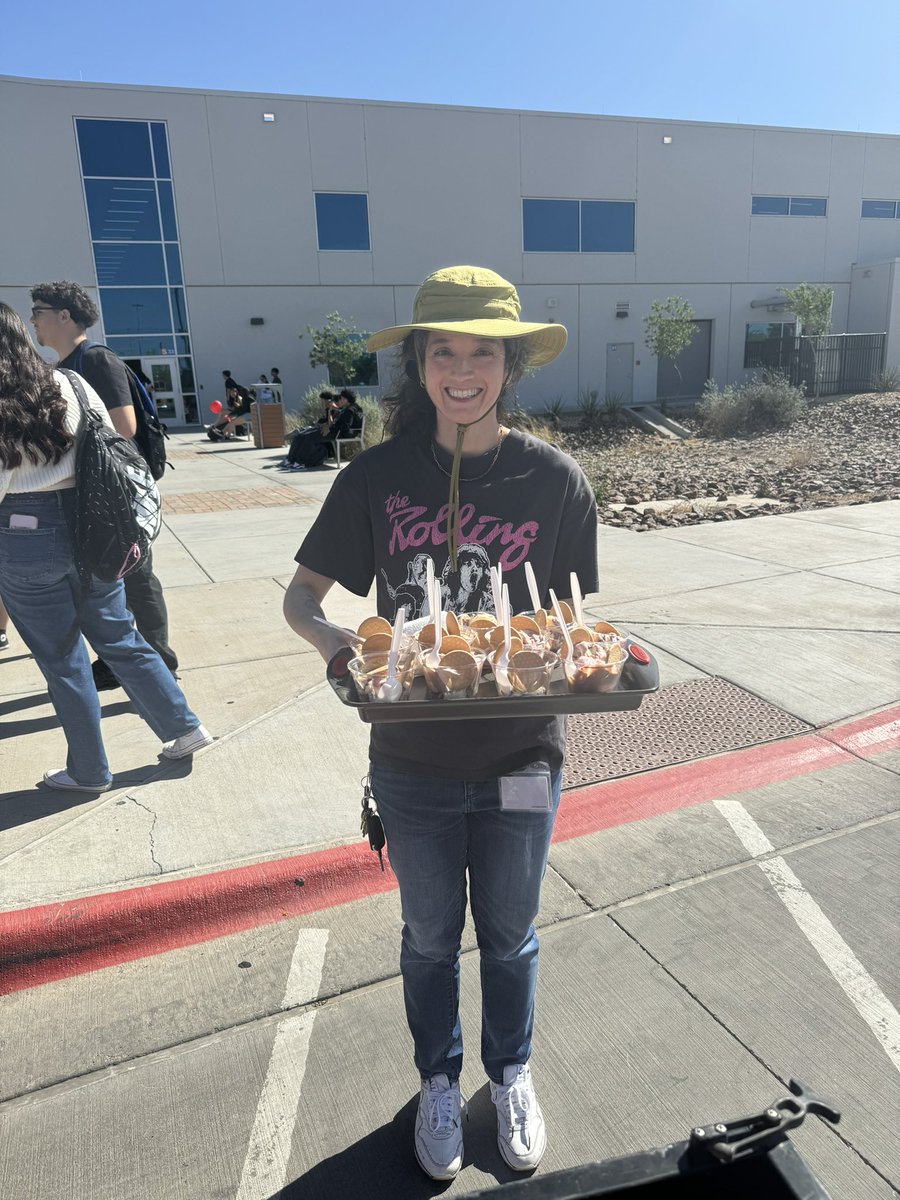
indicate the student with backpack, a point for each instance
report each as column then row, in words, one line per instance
column 62, row 313
column 51, row 600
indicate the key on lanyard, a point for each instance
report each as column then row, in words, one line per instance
column 370, row 824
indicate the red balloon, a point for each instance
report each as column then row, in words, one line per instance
column 215, row 406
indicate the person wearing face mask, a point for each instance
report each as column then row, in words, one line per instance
column 475, row 798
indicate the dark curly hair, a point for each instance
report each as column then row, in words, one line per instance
column 408, row 409
column 71, row 296
column 32, row 407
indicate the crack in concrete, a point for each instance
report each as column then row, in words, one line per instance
column 153, row 858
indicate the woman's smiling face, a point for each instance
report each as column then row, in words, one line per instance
column 463, row 377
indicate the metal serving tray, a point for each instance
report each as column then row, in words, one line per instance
column 638, row 679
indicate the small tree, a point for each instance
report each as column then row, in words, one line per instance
column 340, row 347
column 812, row 306
column 670, row 329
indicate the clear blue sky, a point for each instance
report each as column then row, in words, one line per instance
column 821, row 64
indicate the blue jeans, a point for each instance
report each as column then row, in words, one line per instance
column 51, row 609
column 438, row 830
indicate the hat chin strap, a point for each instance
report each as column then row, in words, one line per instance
column 453, row 517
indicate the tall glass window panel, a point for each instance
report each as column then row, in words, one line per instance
column 138, row 347
column 115, row 148
column 607, row 227
column 189, row 404
column 879, row 208
column 183, row 344
column 160, row 150
column 179, row 310
column 342, row 221
column 771, row 206
column 808, row 206
column 173, row 262
column 550, row 225
column 167, row 210
column 122, row 210
column 186, row 372
column 122, row 263
column 135, row 310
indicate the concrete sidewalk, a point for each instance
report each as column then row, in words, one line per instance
column 798, row 611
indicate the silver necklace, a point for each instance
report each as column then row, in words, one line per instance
column 469, row 478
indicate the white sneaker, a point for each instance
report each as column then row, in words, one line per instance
column 62, row 781
column 439, row 1140
column 521, row 1135
column 188, row 743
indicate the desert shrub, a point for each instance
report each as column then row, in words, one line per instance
column 768, row 401
column 589, row 407
column 554, row 410
column 888, row 380
column 518, row 418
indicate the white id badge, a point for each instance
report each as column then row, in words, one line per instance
column 22, row 521
column 527, row 790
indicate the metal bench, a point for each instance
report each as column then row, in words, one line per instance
column 355, row 439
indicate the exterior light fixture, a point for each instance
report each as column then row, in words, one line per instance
column 667, row 141
column 269, row 118
column 257, row 321
column 622, row 308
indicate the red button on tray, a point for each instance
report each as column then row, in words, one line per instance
column 639, row 654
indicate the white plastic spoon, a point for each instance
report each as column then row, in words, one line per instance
column 577, row 602
column 392, row 688
column 562, row 624
column 501, row 675
column 532, row 587
column 433, row 657
column 497, row 595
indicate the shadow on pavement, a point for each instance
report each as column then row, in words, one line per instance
column 384, row 1164
column 32, row 804
column 51, row 721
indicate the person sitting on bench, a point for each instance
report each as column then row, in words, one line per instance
column 310, row 446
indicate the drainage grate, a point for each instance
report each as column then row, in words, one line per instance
column 681, row 722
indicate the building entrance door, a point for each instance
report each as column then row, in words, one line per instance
column 163, row 376
column 620, row 371
column 688, row 380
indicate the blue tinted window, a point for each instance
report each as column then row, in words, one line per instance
column 134, row 347
column 160, row 150
column 121, row 263
column 173, row 262
column 607, row 227
column 807, row 206
column 771, row 206
column 342, row 221
column 167, row 210
column 135, row 310
column 122, row 210
column 550, row 224
column 184, row 345
column 115, row 148
column 879, row 208
column 186, row 371
column 179, row 310
column 190, row 408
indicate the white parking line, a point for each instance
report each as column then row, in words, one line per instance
column 265, row 1167
column 867, row 997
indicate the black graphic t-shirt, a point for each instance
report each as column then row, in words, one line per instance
column 387, row 513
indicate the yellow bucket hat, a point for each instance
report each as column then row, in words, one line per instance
column 477, row 301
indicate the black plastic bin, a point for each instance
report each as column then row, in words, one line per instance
column 749, row 1158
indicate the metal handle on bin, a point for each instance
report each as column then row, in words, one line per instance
column 729, row 1140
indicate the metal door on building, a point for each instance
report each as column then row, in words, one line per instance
column 620, row 371
column 687, row 382
column 163, row 376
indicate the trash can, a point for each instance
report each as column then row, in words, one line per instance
column 267, row 424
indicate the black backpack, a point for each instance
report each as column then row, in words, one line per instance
column 151, row 434
column 117, row 505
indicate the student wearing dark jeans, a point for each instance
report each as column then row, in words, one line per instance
column 310, row 446
column 62, row 312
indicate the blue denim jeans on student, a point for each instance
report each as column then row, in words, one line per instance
column 437, row 831
column 45, row 599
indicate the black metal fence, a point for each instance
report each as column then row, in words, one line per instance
column 843, row 362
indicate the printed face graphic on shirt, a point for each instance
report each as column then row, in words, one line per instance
column 415, row 534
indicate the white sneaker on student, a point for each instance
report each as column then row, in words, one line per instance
column 62, row 781
column 521, row 1135
column 188, row 743
column 439, row 1140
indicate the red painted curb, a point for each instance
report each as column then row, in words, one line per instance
column 53, row 941
column 50, row 942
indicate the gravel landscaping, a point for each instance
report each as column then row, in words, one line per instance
column 843, row 450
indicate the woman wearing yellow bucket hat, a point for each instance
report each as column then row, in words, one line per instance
column 476, row 797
